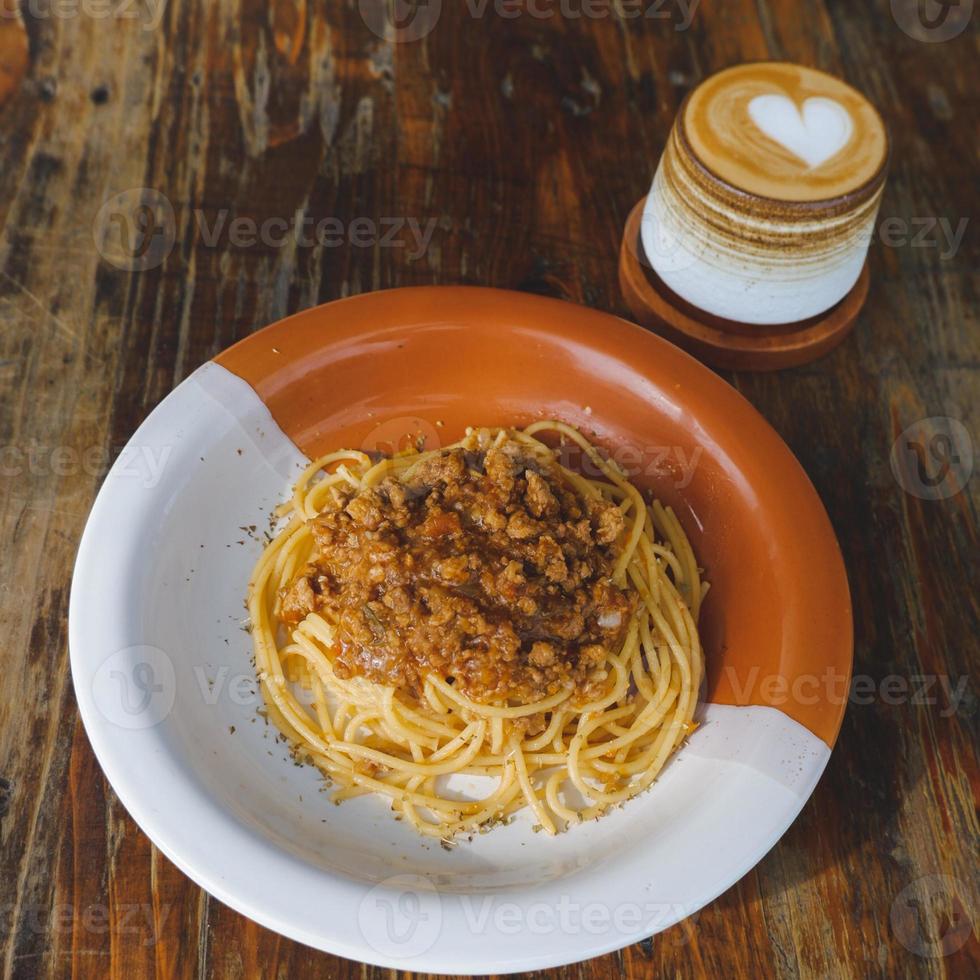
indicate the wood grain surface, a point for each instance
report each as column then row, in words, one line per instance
column 521, row 143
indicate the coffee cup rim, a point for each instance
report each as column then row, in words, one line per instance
column 862, row 192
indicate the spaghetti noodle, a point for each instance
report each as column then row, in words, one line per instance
column 586, row 738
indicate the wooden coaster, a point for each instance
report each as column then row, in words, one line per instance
column 727, row 343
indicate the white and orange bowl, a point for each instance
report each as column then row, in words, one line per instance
column 165, row 685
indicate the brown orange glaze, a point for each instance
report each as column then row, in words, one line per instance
column 779, row 606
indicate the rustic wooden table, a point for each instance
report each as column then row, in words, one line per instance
column 501, row 150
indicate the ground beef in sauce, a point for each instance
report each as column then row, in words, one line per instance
column 483, row 567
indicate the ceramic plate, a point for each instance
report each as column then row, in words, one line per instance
column 161, row 660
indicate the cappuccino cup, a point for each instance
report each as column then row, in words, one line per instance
column 765, row 198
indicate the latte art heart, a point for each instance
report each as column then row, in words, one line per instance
column 815, row 134
column 785, row 132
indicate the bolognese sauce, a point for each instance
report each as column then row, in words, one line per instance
column 482, row 566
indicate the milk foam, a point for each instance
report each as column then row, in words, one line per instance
column 815, row 133
column 784, row 131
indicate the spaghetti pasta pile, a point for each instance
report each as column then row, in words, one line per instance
column 453, row 764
